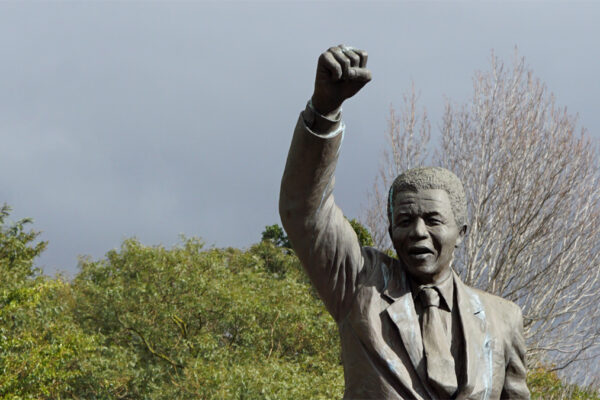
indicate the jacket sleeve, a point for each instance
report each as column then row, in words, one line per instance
column 515, row 385
column 322, row 238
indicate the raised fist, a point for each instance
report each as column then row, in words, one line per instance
column 341, row 73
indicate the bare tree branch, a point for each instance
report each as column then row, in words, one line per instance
column 533, row 190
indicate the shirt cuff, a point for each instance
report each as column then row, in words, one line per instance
column 321, row 125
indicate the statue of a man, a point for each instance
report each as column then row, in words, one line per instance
column 409, row 328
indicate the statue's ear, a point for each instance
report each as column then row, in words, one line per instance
column 461, row 235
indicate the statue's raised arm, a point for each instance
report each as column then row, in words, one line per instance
column 323, row 240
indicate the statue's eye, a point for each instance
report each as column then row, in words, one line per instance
column 403, row 221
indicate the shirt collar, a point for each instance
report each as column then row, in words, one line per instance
column 445, row 288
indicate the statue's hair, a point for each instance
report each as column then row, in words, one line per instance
column 423, row 178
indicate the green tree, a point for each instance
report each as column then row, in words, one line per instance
column 44, row 354
column 363, row 234
column 191, row 322
column 276, row 234
column 146, row 322
column 546, row 385
column 195, row 323
column 17, row 250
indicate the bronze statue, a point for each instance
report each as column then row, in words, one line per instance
column 409, row 328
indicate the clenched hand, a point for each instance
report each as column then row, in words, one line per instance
column 341, row 73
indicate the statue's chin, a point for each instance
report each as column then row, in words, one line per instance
column 425, row 272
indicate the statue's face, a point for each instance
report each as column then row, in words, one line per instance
column 425, row 233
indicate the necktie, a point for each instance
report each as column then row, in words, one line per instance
column 440, row 364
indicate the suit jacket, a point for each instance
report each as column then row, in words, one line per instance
column 368, row 294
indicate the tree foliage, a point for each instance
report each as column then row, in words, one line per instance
column 545, row 384
column 362, row 233
column 146, row 322
column 533, row 190
column 211, row 323
column 17, row 250
column 277, row 236
column 43, row 351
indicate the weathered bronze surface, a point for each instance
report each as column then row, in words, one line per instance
column 409, row 328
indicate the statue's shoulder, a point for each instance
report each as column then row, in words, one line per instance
column 374, row 255
column 377, row 266
column 500, row 307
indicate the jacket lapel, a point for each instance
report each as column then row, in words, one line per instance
column 402, row 313
column 477, row 342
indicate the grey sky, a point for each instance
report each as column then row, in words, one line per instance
column 155, row 119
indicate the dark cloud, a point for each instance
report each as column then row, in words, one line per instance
column 151, row 120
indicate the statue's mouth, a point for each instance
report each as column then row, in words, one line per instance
column 419, row 251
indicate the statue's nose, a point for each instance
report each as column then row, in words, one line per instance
column 418, row 229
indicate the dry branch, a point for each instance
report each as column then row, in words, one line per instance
column 533, row 192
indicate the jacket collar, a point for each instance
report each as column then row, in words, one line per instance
column 402, row 312
column 476, row 341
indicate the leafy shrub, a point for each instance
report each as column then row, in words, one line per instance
column 187, row 322
column 546, row 385
column 212, row 323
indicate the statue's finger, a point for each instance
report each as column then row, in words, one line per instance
column 342, row 59
column 360, row 74
column 354, row 58
column 329, row 62
column 363, row 57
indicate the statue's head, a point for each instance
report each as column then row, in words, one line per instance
column 427, row 214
